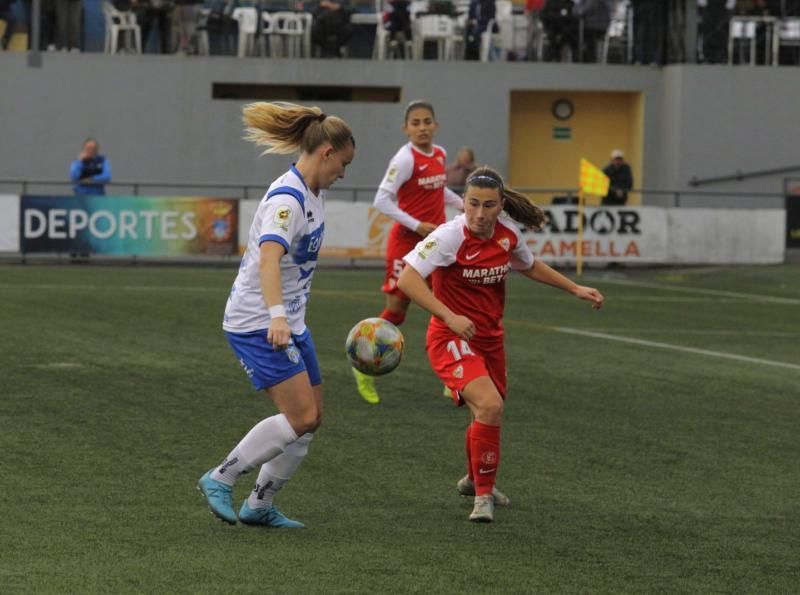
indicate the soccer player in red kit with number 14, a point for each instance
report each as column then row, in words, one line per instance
column 469, row 258
column 413, row 193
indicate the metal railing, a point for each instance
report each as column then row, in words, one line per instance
column 740, row 176
column 644, row 196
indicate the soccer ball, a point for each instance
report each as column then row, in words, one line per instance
column 374, row 346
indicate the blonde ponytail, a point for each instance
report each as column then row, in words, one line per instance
column 287, row 128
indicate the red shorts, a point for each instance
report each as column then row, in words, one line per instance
column 401, row 241
column 457, row 363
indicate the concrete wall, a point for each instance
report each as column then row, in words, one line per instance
column 156, row 120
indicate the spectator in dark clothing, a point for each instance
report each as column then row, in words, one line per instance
column 398, row 24
column 90, row 172
column 595, row 15
column 715, row 22
column 480, row 13
column 69, row 24
column 621, row 179
column 47, row 31
column 560, row 21
column 649, row 21
column 186, row 15
column 331, row 29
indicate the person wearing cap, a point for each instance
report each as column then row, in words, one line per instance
column 620, row 177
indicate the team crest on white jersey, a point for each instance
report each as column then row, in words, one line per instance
column 504, row 243
column 282, row 217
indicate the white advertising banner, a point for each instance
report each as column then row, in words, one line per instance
column 9, row 223
column 635, row 235
column 352, row 229
column 610, row 234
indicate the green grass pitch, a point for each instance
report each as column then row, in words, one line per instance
column 649, row 447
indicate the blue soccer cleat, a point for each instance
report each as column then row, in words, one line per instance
column 267, row 517
column 219, row 497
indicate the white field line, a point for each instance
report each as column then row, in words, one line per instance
column 716, row 292
column 696, row 332
column 658, row 345
column 370, row 293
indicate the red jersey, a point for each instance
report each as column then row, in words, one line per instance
column 418, row 180
column 469, row 273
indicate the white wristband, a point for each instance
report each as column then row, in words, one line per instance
column 277, row 311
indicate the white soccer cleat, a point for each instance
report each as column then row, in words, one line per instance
column 483, row 511
column 467, row 488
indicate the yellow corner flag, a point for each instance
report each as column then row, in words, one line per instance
column 593, row 180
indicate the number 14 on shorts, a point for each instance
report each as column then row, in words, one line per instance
column 458, row 349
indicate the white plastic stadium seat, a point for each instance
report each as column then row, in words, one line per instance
column 437, row 28
column 247, row 18
column 268, row 39
column 118, row 23
column 290, row 34
column 742, row 31
column 787, row 33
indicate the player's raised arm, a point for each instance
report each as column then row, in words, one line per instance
column 544, row 273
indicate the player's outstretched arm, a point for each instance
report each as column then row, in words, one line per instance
column 544, row 273
column 414, row 286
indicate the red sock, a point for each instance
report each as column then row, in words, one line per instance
column 468, row 434
column 396, row 318
column 484, row 456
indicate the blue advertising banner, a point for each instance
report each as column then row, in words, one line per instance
column 129, row 225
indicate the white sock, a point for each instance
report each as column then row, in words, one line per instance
column 265, row 441
column 275, row 473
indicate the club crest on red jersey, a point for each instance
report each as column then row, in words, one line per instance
column 504, row 243
column 427, row 248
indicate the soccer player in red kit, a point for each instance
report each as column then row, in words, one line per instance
column 414, row 194
column 469, row 258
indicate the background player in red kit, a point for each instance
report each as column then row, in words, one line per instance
column 469, row 258
column 413, row 193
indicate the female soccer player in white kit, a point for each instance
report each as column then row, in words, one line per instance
column 264, row 317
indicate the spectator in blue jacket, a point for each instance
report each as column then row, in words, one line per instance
column 480, row 13
column 90, row 172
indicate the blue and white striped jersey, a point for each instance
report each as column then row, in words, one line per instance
column 291, row 215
